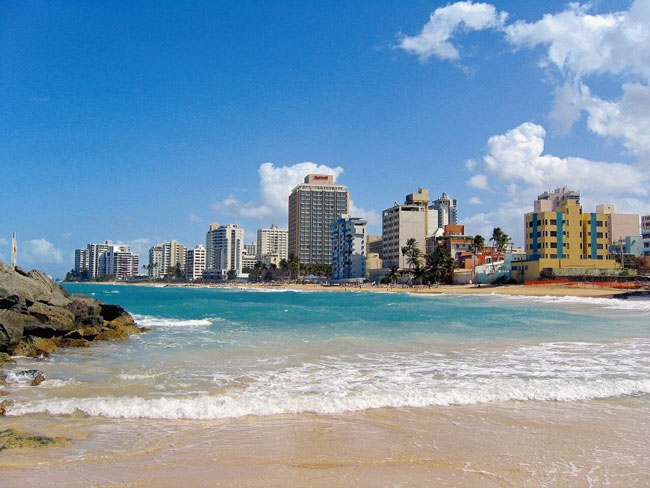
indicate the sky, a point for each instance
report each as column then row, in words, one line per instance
column 142, row 122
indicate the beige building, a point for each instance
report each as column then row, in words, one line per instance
column 164, row 256
column 620, row 225
column 374, row 244
column 313, row 206
column 399, row 224
column 273, row 241
column 373, row 261
column 550, row 200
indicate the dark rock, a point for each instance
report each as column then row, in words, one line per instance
column 5, row 358
column 51, row 321
column 38, row 379
column 20, row 271
column 111, row 312
column 13, row 439
column 12, row 327
column 11, row 301
column 67, row 342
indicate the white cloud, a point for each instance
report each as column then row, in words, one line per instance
column 470, row 164
column 508, row 216
column 475, row 201
column 478, row 181
column 444, row 22
column 276, row 184
column 39, row 251
column 581, row 43
column 372, row 216
column 518, row 155
column 195, row 218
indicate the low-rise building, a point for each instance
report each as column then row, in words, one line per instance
column 453, row 239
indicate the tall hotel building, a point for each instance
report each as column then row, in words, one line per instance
column 313, row 206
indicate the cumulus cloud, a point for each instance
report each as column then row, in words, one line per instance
column 478, row 181
column 518, row 155
column 276, row 183
column 509, row 217
column 195, row 218
column 444, row 22
column 581, row 43
column 39, row 251
column 475, row 201
column 372, row 216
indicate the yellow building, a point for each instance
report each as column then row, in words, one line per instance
column 566, row 242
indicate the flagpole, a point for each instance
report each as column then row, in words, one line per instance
column 14, row 250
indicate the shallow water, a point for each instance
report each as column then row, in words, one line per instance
column 229, row 355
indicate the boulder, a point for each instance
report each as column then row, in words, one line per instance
column 12, row 327
column 34, row 347
column 11, row 301
column 111, row 312
column 5, row 358
column 3, row 409
column 14, row 439
column 51, row 321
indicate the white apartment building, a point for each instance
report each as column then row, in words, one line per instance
column 164, row 256
column 195, row 263
column 249, row 257
column 119, row 261
column 272, row 241
column 81, row 260
column 156, row 267
column 348, row 248
column 445, row 210
column 224, row 245
column 95, row 252
column 399, row 224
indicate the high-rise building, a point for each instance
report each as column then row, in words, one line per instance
column 272, row 241
column 118, row 261
column 348, row 248
column 224, row 245
column 421, row 198
column 195, row 263
column 81, row 260
column 156, row 267
column 313, row 206
column 374, row 245
column 249, row 257
column 399, row 224
column 95, row 252
column 620, row 225
column 446, row 210
column 164, row 256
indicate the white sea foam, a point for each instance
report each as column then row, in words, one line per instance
column 151, row 321
column 562, row 371
column 610, row 303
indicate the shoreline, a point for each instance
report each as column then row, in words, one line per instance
column 510, row 290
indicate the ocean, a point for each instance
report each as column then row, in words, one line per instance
column 268, row 360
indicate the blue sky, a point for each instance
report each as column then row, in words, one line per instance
column 145, row 121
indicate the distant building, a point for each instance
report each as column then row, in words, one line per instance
column 421, row 199
column 118, row 261
column 348, row 236
column 629, row 246
column 224, row 245
column 550, row 201
column 453, row 239
column 81, row 260
column 620, row 225
column 249, row 256
column 373, row 262
column 272, row 241
column 645, row 234
column 195, row 263
column 164, row 256
column 399, row 224
column 446, row 212
column 313, row 206
column 95, row 252
column 374, row 244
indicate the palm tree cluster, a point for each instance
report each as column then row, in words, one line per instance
column 290, row 267
column 435, row 267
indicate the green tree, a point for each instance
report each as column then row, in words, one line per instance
column 440, row 266
column 413, row 255
column 394, row 274
column 293, row 264
column 231, row 274
column 500, row 239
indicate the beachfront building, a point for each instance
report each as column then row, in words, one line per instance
column 165, row 256
column 374, row 244
column 348, row 236
column 620, row 225
column 224, row 245
column 645, row 234
column 566, row 241
column 195, row 263
column 399, row 224
column 249, row 256
column 119, row 262
column 273, row 242
column 444, row 211
column 313, row 206
column 95, row 252
column 453, row 239
column 81, row 260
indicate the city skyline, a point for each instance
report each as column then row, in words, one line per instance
column 126, row 124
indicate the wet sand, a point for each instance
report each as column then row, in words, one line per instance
column 512, row 444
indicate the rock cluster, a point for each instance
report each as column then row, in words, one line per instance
column 13, row 439
column 37, row 316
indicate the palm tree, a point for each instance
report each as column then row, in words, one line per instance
column 293, row 264
column 477, row 245
column 413, row 254
column 500, row 240
column 394, row 274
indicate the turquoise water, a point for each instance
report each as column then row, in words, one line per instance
column 221, row 353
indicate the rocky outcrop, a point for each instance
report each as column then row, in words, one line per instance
column 37, row 316
column 13, row 439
